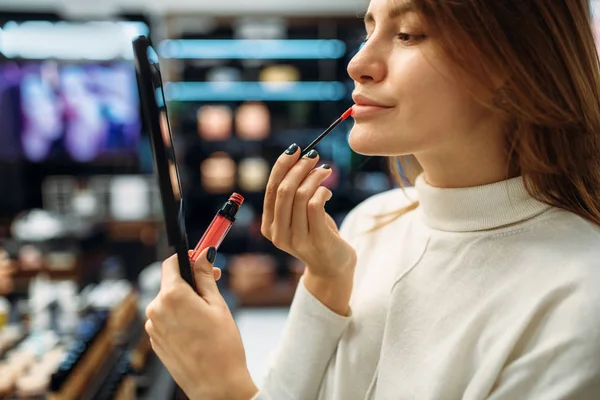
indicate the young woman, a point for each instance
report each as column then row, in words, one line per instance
column 488, row 287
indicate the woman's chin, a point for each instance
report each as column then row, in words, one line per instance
column 362, row 143
column 374, row 142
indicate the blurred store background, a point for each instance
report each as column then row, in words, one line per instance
column 80, row 214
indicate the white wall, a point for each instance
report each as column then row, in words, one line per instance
column 214, row 7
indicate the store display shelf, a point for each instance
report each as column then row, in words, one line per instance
column 256, row 91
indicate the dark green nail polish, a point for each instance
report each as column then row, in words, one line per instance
column 312, row 154
column 326, row 166
column 211, row 255
column 292, row 149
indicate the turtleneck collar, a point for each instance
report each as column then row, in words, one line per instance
column 477, row 208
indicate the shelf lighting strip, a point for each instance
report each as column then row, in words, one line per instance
column 252, row 49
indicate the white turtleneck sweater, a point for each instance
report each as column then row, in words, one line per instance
column 479, row 293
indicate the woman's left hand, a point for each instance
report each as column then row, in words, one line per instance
column 195, row 336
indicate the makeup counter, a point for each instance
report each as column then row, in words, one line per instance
column 72, row 325
column 80, row 213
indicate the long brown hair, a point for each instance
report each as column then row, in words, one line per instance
column 545, row 53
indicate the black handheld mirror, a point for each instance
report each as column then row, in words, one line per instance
column 155, row 113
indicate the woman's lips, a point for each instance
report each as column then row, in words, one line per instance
column 365, row 111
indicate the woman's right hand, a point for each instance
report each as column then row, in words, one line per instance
column 294, row 217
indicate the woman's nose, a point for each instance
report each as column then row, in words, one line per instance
column 368, row 65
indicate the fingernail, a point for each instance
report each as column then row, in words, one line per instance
column 211, row 255
column 292, row 149
column 326, row 166
column 312, row 154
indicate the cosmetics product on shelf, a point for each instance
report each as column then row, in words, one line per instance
column 218, row 173
column 20, row 360
column 10, row 336
column 57, row 194
column 26, row 369
column 53, row 304
column 89, row 350
column 119, row 385
column 140, row 352
column 31, row 258
column 119, row 297
column 253, row 174
column 32, row 386
column 4, row 314
column 114, row 308
column 252, row 121
column 7, row 380
column 126, row 389
column 129, row 200
column 223, row 74
column 61, row 260
column 214, row 122
column 85, row 203
column 279, row 73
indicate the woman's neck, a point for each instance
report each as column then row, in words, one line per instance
column 467, row 163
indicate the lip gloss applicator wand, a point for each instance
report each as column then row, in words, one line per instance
column 338, row 121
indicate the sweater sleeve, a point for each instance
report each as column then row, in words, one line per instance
column 309, row 341
column 558, row 358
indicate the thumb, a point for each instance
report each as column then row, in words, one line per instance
column 203, row 273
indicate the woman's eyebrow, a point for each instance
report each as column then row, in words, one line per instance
column 396, row 12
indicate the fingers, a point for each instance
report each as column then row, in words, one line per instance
column 318, row 225
column 149, row 327
column 287, row 192
column 305, row 192
column 170, row 272
column 284, row 163
column 217, row 273
column 153, row 314
column 204, row 274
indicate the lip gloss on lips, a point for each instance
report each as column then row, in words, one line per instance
column 220, row 226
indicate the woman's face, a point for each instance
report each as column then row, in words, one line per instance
column 421, row 107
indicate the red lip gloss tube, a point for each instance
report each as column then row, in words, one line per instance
column 220, row 226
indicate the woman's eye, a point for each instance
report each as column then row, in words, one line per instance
column 405, row 38
column 408, row 38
